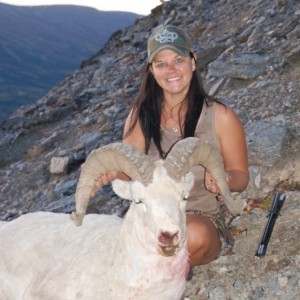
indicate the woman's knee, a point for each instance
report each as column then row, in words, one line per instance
column 203, row 240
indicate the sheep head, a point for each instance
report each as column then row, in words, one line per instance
column 157, row 215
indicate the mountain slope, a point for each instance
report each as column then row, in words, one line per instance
column 40, row 45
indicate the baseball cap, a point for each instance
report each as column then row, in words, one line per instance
column 168, row 37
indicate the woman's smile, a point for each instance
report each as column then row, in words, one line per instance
column 173, row 79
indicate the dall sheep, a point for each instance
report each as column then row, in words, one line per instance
column 45, row 256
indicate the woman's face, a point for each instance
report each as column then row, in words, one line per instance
column 173, row 72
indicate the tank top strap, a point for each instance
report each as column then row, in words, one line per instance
column 205, row 128
column 168, row 140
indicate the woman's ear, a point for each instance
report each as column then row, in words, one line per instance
column 194, row 62
column 150, row 68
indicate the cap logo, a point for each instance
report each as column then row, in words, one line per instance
column 166, row 36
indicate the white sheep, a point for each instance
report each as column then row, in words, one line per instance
column 44, row 256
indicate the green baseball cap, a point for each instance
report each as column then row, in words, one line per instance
column 168, row 37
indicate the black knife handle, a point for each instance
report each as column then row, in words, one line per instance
column 274, row 211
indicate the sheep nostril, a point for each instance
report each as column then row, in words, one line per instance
column 168, row 237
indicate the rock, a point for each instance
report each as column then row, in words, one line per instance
column 265, row 141
column 59, row 165
column 244, row 66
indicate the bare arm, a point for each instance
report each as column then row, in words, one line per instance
column 231, row 136
column 136, row 138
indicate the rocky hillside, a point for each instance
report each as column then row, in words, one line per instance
column 39, row 45
column 249, row 55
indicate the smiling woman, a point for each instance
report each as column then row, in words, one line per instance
column 172, row 105
column 136, row 6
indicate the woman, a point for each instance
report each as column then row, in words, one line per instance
column 172, row 105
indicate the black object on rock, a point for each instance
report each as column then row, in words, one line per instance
column 274, row 211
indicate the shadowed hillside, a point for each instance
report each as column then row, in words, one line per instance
column 40, row 45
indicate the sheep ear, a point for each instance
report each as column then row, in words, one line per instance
column 188, row 182
column 122, row 188
column 125, row 189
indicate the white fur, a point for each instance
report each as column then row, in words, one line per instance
column 45, row 256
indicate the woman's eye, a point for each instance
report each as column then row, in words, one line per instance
column 159, row 66
column 179, row 60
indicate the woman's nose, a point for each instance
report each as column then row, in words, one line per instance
column 170, row 68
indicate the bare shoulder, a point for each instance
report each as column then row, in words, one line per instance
column 135, row 136
column 225, row 114
column 227, row 121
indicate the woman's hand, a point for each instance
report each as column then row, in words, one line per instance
column 211, row 185
column 102, row 180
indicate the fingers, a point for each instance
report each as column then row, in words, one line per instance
column 102, row 180
column 110, row 176
column 210, row 183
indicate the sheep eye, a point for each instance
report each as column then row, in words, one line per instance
column 137, row 201
column 185, row 197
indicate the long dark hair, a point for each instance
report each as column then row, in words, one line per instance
column 148, row 106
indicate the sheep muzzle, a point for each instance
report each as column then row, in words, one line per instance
column 168, row 243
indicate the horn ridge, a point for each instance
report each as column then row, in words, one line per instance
column 177, row 158
column 194, row 151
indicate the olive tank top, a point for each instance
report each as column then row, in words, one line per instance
column 200, row 200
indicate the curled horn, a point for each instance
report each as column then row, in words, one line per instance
column 113, row 157
column 193, row 151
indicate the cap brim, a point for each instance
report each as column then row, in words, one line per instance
column 179, row 50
